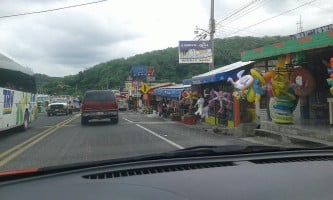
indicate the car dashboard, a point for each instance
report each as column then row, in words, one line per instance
column 260, row 176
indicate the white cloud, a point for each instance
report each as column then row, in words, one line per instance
column 65, row 42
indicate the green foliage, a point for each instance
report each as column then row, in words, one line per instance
column 112, row 74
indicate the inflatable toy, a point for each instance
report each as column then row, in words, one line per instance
column 190, row 96
column 302, row 81
column 256, row 75
column 243, row 82
column 220, row 96
column 200, row 104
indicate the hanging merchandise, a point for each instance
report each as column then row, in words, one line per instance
column 243, row 82
column 189, row 97
column 330, row 83
column 258, row 86
column 223, row 98
column 268, row 76
column 280, row 87
column 200, row 104
column 303, row 81
column 279, row 114
column 282, row 104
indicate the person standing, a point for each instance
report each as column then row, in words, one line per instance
column 159, row 108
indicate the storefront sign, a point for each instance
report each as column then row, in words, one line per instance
column 195, row 52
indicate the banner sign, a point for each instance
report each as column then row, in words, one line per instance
column 139, row 70
column 312, row 32
column 195, row 52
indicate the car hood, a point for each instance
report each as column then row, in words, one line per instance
column 51, row 104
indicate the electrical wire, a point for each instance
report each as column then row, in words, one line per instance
column 252, row 6
column 249, row 10
column 242, row 11
column 235, row 11
column 51, row 10
column 228, row 29
column 313, row 5
column 270, row 18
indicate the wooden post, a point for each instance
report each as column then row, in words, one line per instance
column 236, row 112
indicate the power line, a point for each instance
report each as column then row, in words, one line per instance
column 51, row 10
column 247, row 11
column 270, row 18
column 241, row 12
column 235, row 11
column 228, row 29
column 249, row 7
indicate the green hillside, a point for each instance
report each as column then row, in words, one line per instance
column 167, row 69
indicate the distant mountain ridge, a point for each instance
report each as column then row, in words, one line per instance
column 113, row 73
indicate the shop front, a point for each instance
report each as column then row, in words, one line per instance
column 298, row 80
column 169, row 101
column 219, row 100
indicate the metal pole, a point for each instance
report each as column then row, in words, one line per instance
column 212, row 32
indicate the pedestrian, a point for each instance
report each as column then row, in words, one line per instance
column 159, row 108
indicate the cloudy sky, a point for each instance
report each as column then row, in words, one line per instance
column 67, row 41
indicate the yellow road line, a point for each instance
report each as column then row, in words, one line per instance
column 22, row 147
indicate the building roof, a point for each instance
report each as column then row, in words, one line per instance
column 219, row 74
column 310, row 42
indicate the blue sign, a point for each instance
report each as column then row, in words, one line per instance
column 8, row 99
column 139, row 70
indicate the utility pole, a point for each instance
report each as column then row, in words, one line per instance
column 299, row 25
column 209, row 32
column 212, row 32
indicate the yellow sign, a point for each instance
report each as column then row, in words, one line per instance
column 144, row 88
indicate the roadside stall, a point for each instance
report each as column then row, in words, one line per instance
column 217, row 90
column 299, row 83
column 149, row 99
column 171, row 96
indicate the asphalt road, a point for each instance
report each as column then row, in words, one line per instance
column 60, row 140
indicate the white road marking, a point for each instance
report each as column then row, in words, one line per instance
column 156, row 134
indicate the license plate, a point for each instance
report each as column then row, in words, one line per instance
column 56, row 109
column 100, row 113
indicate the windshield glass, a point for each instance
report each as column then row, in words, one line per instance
column 146, row 77
column 59, row 100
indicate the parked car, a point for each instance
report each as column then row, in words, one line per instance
column 59, row 106
column 99, row 104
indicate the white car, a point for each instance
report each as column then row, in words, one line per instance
column 59, row 106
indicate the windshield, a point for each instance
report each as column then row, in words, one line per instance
column 57, row 100
column 147, row 77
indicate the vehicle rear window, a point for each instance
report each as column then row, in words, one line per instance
column 99, row 96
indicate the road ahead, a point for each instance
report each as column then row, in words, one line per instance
column 62, row 140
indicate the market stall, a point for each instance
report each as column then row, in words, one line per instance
column 171, row 96
column 298, row 83
column 217, row 89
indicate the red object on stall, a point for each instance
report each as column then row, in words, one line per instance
column 304, row 81
column 331, row 61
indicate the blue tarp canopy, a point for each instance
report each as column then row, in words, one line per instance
column 219, row 74
column 173, row 92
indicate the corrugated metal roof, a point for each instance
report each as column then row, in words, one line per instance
column 316, row 41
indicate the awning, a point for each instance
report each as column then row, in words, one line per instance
column 219, row 74
column 173, row 92
column 320, row 40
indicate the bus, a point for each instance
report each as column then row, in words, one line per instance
column 18, row 97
